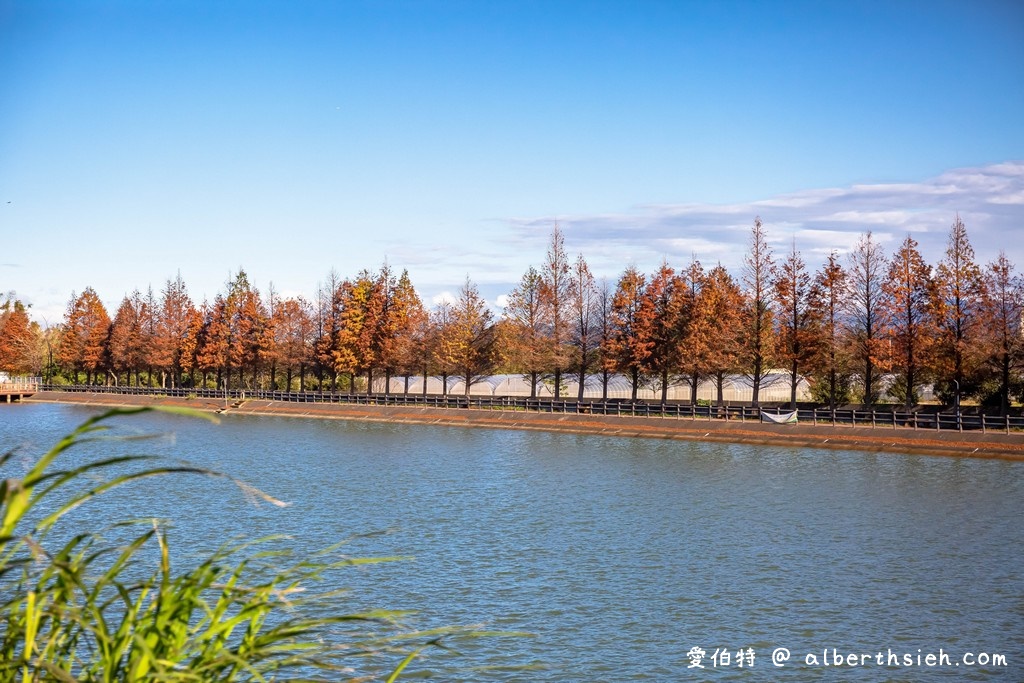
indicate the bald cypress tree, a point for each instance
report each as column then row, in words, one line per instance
column 797, row 320
column 830, row 365
column 759, row 341
column 867, row 314
column 1004, row 327
column 957, row 304
column 908, row 288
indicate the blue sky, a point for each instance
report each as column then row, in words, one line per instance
column 138, row 140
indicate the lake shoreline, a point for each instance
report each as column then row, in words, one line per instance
column 902, row 440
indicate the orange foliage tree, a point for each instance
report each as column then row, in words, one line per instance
column 126, row 344
column 830, row 367
column 17, row 339
column 867, row 314
column 293, row 328
column 717, row 331
column 525, row 346
column 555, row 283
column 798, row 329
column 584, row 313
column 958, row 303
column 177, row 331
column 443, row 343
column 693, row 340
column 1004, row 327
column 631, row 339
column 758, row 352
column 83, row 346
column 468, row 341
column 408, row 317
column 662, row 297
column 908, row 288
column 214, row 341
column 247, row 320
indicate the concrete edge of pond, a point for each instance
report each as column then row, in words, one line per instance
column 902, row 440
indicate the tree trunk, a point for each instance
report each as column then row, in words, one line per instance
column 909, row 399
column 558, row 383
column 792, row 385
column 604, row 385
column 583, row 378
column 1004, row 388
column 757, row 383
column 868, row 383
column 636, row 381
column 533, row 384
column 369, row 381
column 664, row 387
column 832, row 381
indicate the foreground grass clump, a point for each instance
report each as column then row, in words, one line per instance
column 75, row 607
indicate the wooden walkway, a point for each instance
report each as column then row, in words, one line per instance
column 17, row 389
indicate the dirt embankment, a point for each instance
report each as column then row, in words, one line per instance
column 902, row 440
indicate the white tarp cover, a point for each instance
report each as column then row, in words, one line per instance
column 782, row 419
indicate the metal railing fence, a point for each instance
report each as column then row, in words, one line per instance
column 878, row 418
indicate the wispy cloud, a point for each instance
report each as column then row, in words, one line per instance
column 989, row 199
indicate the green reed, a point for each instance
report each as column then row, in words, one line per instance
column 85, row 609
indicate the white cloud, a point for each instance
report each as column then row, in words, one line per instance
column 989, row 199
column 871, row 217
column 443, row 297
column 1016, row 198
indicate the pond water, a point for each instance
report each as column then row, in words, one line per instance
column 619, row 556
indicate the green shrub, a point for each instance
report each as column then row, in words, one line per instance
column 821, row 390
column 84, row 609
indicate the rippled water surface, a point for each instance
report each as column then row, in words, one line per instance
column 618, row 555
